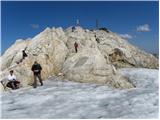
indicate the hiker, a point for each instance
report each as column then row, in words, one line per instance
column 76, row 46
column 36, row 68
column 13, row 83
column 24, row 54
column 73, row 28
column 97, row 39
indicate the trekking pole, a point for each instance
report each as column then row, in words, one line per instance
column 4, row 87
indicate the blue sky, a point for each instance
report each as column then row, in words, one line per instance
column 135, row 21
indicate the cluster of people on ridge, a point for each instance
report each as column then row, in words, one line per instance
column 13, row 83
column 36, row 68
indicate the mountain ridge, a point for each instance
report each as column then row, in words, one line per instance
column 96, row 61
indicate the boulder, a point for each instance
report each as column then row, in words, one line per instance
column 89, row 65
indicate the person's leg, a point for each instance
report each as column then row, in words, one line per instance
column 13, row 85
column 40, row 79
column 9, row 85
column 76, row 49
column 35, row 81
column 16, row 83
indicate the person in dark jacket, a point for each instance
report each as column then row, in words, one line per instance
column 97, row 39
column 73, row 28
column 76, row 46
column 24, row 54
column 36, row 68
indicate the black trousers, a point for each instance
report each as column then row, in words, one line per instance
column 13, row 84
column 76, row 49
column 35, row 80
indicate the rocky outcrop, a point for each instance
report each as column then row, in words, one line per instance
column 47, row 48
column 95, row 62
column 122, row 54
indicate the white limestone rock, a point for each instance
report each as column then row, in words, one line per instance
column 95, row 62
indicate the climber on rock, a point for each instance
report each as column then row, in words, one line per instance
column 13, row 83
column 24, row 54
column 97, row 39
column 36, row 68
column 76, row 46
column 73, row 28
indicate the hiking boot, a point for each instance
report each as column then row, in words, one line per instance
column 34, row 86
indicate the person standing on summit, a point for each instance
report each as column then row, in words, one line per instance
column 36, row 68
column 76, row 46
column 73, row 28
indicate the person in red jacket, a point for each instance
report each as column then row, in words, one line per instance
column 76, row 46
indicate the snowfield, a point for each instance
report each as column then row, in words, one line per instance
column 67, row 99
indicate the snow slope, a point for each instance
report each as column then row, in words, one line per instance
column 66, row 99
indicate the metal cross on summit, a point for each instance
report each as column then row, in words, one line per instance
column 77, row 22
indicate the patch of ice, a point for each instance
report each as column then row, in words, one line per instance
column 66, row 99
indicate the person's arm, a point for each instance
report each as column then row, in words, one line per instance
column 32, row 68
column 9, row 78
column 14, row 77
column 40, row 67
